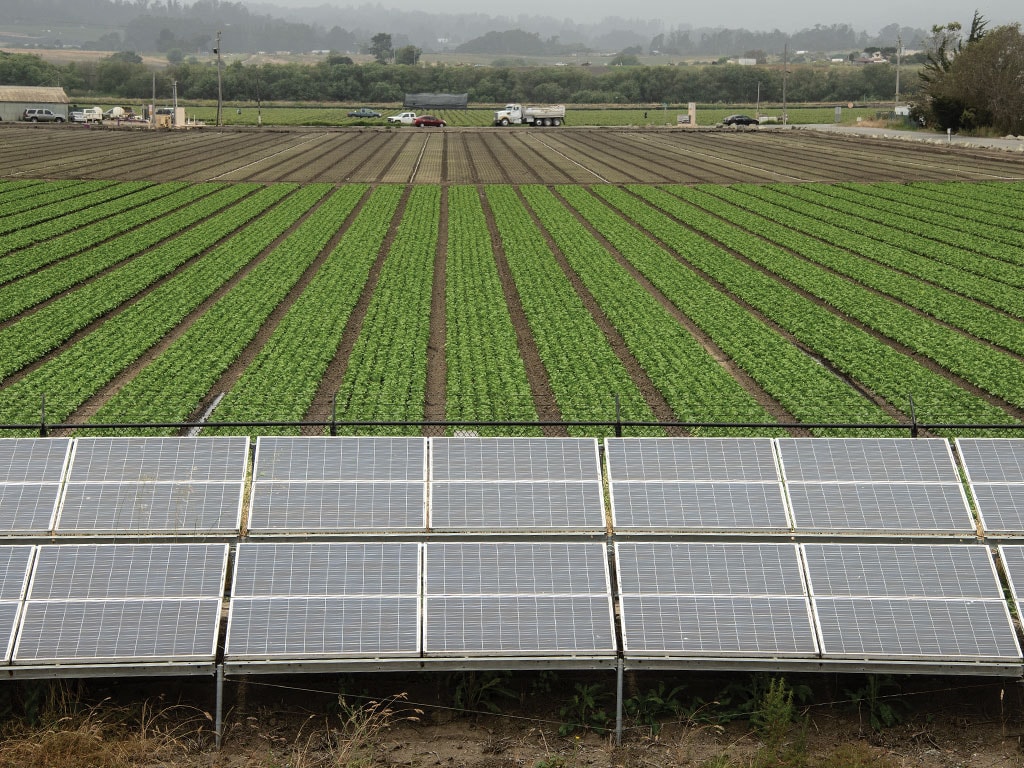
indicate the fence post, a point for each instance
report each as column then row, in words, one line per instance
column 334, row 415
column 913, row 417
column 618, row 416
column 42, row 415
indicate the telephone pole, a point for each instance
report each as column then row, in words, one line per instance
column 899, row 52
column 785, row 74
column 220, row 94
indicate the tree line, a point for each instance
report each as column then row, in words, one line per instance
column 337, row 79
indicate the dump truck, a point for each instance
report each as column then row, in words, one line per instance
column 517, row 114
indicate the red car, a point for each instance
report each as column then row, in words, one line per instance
column 423, row 120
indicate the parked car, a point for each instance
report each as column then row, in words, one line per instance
column 364, row 112
column 406, row 118
column 423, row 120
column 41, row 116
column 740, row 120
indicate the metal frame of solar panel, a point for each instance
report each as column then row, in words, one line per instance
column 695, row 485
column 874, row 487
column 323, row 603
column 516, row 485
column 995, row 473
column 518, row 603
column 930, row 606
column 122, row 609
column 15, row 567
column 31, row 472
column 714, row 605
column 338, row 485
column 154, row 486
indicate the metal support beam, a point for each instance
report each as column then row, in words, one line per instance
column 218, row 716
column 618, row 702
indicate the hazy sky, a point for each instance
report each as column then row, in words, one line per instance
column 866, row 15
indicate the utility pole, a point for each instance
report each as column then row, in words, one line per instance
column 220, row 94
column 899, row 52
column 259, row 112
column 785, row 75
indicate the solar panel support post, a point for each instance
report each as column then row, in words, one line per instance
column 618, row 416
column 42, row 415
column 334, row 415
column 218, row 715
column 618, row 702
column 913, row 417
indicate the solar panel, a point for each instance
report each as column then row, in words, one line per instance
column 353, row 459
column 693, row 625
column 31, row 470
column 902, row 570
column 33, row 459
column 124, row 571
column 708, row 568
column 513, row 459
column 905, row 507
column 699, row 506
column 992, row 459
column 15, row 561
column 690, row 459
column 713, row 598
column 277, row 507
column 1000, row 507
column 159, row 459
column 1013, row 565
column 168, row 507
column 28, row 507
column 504, row 505
column 324, row 600
column 867, row 460
column 123, row 603
column 118, row 631
column 943, row 630
column 517, row 597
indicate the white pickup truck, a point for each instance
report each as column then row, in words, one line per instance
column 406, row 118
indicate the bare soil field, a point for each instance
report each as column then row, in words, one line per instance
column 487, row 155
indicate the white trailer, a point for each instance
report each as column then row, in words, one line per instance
column 517, row 114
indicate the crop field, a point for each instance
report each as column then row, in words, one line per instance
column 512, row 155
column 511, row 282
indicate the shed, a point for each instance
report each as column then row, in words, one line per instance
column 15, row 99
column 436, row 100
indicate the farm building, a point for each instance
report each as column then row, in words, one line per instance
column 435, row 100
column 15, row 99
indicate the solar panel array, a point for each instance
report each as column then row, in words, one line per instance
column 910, row 602
column 515, row 484
column 324, row 600
column 154, row 485
column 517, row 598
column 31, row 471
column 338, row 485
column 692, row 599
column 123, row 603
column 995, row 473
column 892, row 486
column 695, row 484
column 15, row 561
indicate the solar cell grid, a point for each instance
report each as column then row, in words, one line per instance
column 33, row 459
column 691, row 625
column 14, row 569
column 1000, row 507
column 513, row 459
column 516, row 568
column 1013, row 564
column 159, row 459
column 697, row 568
column 871, row 460
column 699, row 506
column 326, row 568
column 349, row 459
column 172, row 507
column 947, row 630
column 10, row 610
column 285, row 507
column 688, row 459
column 880, row 507
column 902, row 570
column 28, row 507
column 122, row 571
column 505, row 505
column 992, row 460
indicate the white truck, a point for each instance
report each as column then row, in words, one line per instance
column 517, row 114
column 406, row 118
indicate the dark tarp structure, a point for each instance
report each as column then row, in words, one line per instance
column 436, row 101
